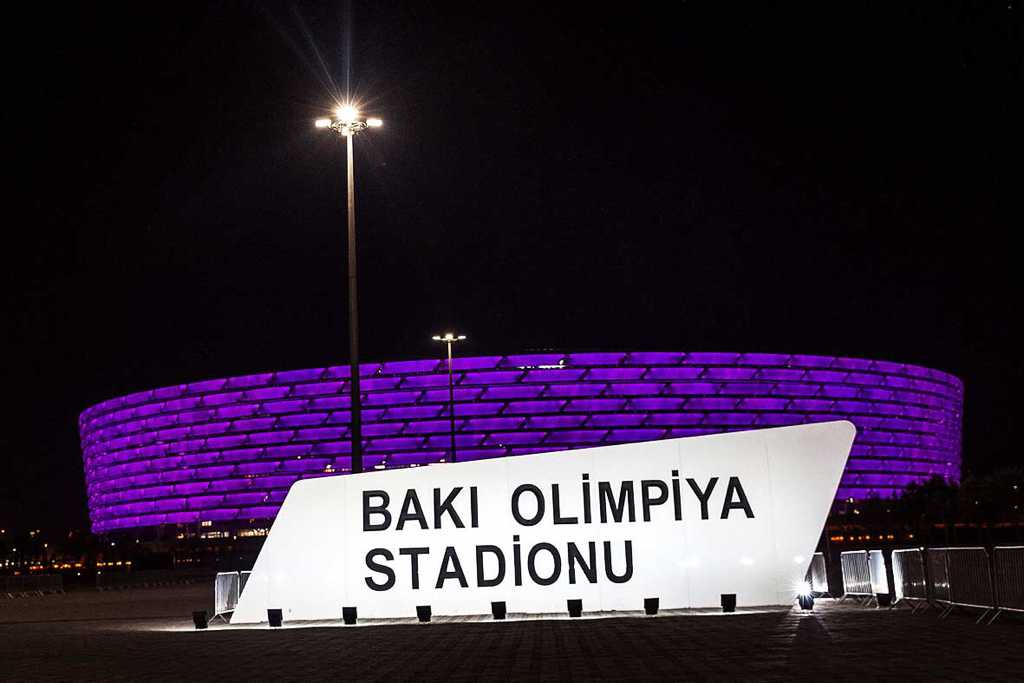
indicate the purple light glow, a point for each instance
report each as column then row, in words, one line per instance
column 228, row 449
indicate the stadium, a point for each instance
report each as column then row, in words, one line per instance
column 224, row 452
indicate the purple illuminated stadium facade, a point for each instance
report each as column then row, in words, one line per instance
column 226, row 451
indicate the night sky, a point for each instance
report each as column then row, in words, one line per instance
column 835, row 178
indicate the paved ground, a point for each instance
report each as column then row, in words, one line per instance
column 147, row 634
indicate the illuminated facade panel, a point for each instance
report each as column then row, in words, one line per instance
column 227, row 450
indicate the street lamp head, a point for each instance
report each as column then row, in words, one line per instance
column 347, row 113
column 448, row 337
column 347, row 121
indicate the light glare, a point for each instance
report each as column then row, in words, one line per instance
column 374, row 123
column 346, row 113
column 449, row 337
column 323, row 123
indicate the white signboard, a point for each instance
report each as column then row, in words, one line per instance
column 683, row 520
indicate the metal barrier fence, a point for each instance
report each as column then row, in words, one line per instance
column 30, row 584
column 876, row 569
column 938, row 575
column 962, row 579
column 1008, row 570
column 243, row 578
column 817, row 574
column 154, row 578
column 226, row 589
column 910, row 582
column 856, row 575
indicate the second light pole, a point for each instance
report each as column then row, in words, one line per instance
column 449, row 339
column 348, row 123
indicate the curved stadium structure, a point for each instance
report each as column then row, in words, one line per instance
column 226, row 451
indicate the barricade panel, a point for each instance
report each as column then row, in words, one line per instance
column 1008, row 566
column 938, row 573
column 876, row 569
column 910, row 582
column 856, row 573
column 150, row 578
column 968, row 579
column 225, row 593
column 243, row 577
column 33, row 584
column 817, row 574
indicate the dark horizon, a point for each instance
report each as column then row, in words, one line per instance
column 799, row 179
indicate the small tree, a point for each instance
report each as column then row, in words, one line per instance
column 922, row 506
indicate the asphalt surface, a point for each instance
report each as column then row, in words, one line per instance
column 148, row 635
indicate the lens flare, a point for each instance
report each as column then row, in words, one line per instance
column 346, row 113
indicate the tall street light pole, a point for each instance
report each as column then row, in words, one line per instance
column 449, row 339
column 348, row 123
